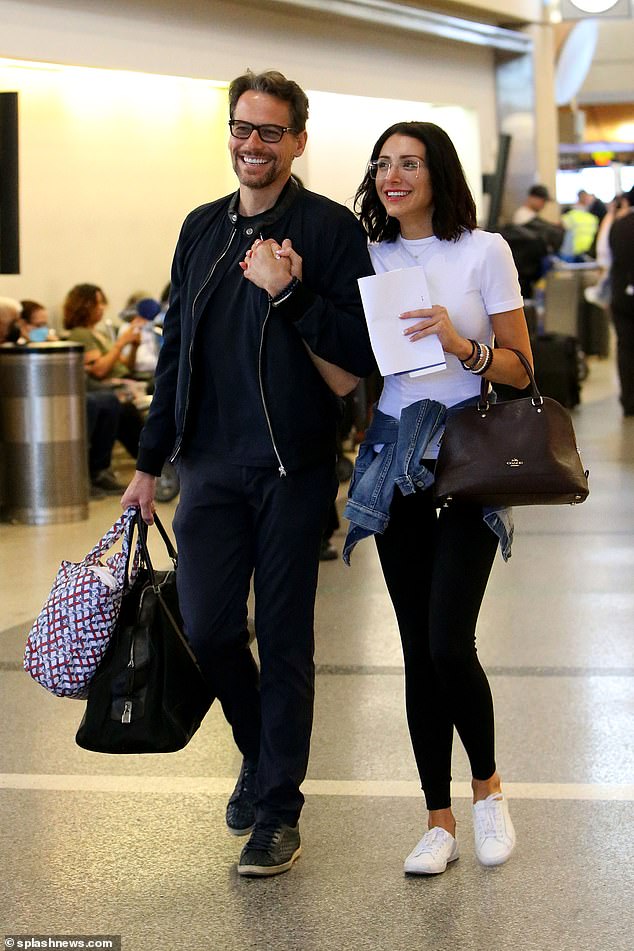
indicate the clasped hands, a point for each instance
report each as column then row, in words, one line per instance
column 271, row 265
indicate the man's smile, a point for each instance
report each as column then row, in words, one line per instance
column 254, row 159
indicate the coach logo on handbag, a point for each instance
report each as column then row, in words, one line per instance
column 514, row 463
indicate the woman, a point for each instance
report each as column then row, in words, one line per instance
column 34, row 323
column 84, row 308
column 105, row 363
column 417, row 209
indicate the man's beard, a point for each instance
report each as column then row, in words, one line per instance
column 263, row 181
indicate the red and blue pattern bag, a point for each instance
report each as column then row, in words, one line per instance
column 71, row 633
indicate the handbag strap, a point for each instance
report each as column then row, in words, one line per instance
column 536, row 395
column 120, row 527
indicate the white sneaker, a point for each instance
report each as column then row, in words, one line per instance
column 493, row 830
column 433, row 852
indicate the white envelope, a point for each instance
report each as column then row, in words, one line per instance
column 384, row 297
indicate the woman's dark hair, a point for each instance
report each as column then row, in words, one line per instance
column 80, row 303
column 275, row 84
column 30, row 307
column 454, row 207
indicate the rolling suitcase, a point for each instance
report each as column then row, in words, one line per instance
column 557, row 367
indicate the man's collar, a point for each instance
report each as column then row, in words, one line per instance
column 262, row 221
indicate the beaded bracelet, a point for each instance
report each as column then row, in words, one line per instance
column 475, row 349
column 487, row 362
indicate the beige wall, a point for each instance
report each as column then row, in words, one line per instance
column 103, row 195
column 109, row 165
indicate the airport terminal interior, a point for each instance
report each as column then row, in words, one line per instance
column 137, row 845
column 122, row 131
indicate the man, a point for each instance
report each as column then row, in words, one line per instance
column 265, row 318
column 592, row 204
column 621, row 239
column 581, row 232
column 533, row 204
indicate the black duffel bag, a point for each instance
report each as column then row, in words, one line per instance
column 148, row 694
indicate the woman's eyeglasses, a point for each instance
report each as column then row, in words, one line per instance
column 268, row 133
column 409, row 167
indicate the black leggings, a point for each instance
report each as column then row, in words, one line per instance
column 436, row 566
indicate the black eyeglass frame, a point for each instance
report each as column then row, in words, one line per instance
column 257, row 128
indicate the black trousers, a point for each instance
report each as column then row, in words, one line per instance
column 232, row 524
column 624, row 325
column 103, row 411
column 436, row 566
column 129, row 430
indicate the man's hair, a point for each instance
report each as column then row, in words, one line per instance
column 80, row 303
column 274, row 84
column 454, row 207
column 539, row 191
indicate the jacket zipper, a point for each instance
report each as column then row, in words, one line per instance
column 280, row 468
column 204, row 284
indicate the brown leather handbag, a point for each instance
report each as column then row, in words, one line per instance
column 519, row 452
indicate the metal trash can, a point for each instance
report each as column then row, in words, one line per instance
column 43, row 448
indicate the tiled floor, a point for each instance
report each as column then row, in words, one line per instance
column 136, row 846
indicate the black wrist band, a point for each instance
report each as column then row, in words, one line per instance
column 284, row 293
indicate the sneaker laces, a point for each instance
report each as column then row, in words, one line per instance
column 264, row 836
column 489, row 820
column 432, row 842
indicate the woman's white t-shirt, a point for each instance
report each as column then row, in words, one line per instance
column 472, row 278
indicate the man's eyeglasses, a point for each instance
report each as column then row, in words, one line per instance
column 268, row 133
column 409, row 167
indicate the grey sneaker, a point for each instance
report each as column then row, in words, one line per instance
column 272, row 848
column 240, row 814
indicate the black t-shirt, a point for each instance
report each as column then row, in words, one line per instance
column 227, row 415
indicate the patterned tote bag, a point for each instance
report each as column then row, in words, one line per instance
column 73, row 629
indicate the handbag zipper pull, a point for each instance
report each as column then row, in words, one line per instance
column 126, row 716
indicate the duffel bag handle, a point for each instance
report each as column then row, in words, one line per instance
column 142, row 528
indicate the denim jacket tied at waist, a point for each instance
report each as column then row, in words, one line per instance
column 399, row 464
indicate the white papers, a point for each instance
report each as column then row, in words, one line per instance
column 384, row 297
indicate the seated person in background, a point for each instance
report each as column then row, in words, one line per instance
column 148, row 310
column 10, row 310
column 33, row 323
column 533, row 204
column 103, row 413
column 105, row 365
column 84, row 308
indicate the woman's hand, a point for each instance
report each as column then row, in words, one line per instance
column 436, row 320
column 286, row 251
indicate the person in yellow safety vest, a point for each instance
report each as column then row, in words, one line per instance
column 581, row 227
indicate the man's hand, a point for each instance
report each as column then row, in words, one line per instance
column 140, row 493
